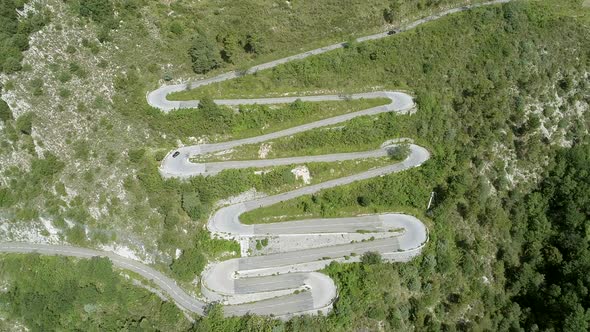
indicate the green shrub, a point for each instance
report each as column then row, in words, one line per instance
column 81, row 150
column 371, row 258
column 204, row 54
column 136, row 155
column 52, row 293
column 100, row 11
column 399, row 152
column 64, row 93
column 5, row 112
column 64, row 77
column 14, row 33
column 37, row 86
column 192, row 205
column 190, row 263
column 24, row 123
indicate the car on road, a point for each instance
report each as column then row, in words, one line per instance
column 175, row 154
column 391, row 32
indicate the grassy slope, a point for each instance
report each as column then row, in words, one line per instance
column 285, row 28
column 59, row 293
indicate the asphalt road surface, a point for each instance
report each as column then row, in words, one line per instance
column 282, row 284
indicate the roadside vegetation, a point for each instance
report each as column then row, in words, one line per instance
column 14, row 38
column 60, row 293
column 354, row 199
column 360, row 134
column 227, row 35
column 220, row 123
column 100, row 128
column 105, row 134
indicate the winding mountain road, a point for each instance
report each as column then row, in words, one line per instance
column 284, row 283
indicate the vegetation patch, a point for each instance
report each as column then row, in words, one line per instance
column 49, row 293
column 221, row 122
column 14, row 38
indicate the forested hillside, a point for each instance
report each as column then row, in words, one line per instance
column 551, row 227
column 503, row 106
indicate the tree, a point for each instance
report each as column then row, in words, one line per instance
column 14, row 33
column 554, row 228
column 204, row 54
column 218, row 118
column 99, row 11
column 392, row 12
column 371, row 258
column 5, row 112
column 189, row 264
column 192, row 205
column 24, row 123
column 577, row 321
column 255, row 44
column 399, row 152
column 364, row 201
column 231, row 48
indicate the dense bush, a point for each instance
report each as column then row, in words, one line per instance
column 190, row 263
column 59, row 293
column 204, row 54
column 549, row 278
column 24, row 123
column 5, row 112
column 399, row 152
column 100, row 11
column 14, row 33
column 371, row 257
column 192, row 260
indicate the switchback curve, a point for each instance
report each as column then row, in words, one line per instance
column 285, row 283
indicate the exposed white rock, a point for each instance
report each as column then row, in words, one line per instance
column 264, row 150
column 49, row 226
column 302, row 172
column 243, row 197
column 125, row 251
